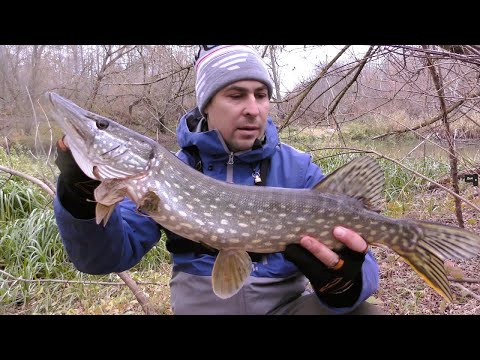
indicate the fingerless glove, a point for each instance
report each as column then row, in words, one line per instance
column 74, row 188
column 336, row 288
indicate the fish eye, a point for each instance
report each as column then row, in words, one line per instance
column 102, row 124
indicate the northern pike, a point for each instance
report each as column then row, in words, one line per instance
column 236, row 218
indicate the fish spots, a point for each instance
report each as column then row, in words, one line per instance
column 199, row 222
column 220, row 230
column 214, row 238
column 245, row 234
column 248, row 212
column 232, row 231
column 173, row 218
column 224, row 222
column 320, row 221
column 301, row 218
column 167, row 207
column 232, row 206
column 175, row 199
column 242, row 225
column 167, row 183
column 261, row 232
column 182, row 213
column 263, row 219
column 162, row 172
column 324, row 233
column 207, row 214
column 282, row 215
column 278, row 227
column 213, row 206
column 192, row 187
column 227, row 214
column 234, row 241
column 256, row 241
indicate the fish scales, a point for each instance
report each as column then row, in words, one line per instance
column 235, row 218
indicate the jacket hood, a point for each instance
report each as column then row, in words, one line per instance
column 192, row 131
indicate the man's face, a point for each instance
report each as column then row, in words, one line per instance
column 239, row 112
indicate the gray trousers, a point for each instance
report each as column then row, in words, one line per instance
column 193, row 295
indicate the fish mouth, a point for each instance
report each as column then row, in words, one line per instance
column 66, row 111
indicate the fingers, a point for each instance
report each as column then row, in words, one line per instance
column 351, row 239
column 62, row 144
column 330, row 258
column 320, row 251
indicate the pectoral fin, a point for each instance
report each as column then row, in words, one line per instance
column 231, row 269
column 108, row 194
column 103, row 212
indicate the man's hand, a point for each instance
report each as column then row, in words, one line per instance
column 74, row 189
column 336, row 277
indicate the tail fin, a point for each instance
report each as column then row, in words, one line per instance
column 436, row 244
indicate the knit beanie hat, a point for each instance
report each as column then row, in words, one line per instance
column 217, row 66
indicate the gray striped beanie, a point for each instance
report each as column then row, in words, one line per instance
column 217, row 66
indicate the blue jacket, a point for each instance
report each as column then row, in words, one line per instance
column 128, row 236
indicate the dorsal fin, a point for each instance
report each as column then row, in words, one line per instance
column 362, row 179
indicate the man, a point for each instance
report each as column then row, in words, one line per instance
column 228, row 136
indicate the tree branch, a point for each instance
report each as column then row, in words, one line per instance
column 30, row 178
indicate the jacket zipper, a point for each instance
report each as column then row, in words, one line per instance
column 230, row 168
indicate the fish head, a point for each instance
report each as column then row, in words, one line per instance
column 102, row 148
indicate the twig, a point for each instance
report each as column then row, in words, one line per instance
column 310, row 87
column 36, row 181
column 83, row 282
column 466, row 280
column 431, row 120
column 141, row 298
column 468, row 291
